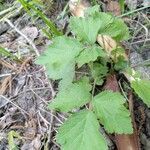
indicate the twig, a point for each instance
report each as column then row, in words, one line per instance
column 134, row 11
column 145, row 62
column 8, row 65
column 38, row 96
column 10, row 13
column 24, row 64
column 7, row 10
column 11, row 9
column 140, row 41
column 5, row 75
column 52, row 112
column 46, row 122
column 122, row 91
column 63, row 117
column 40, row 127
column 5, row 85
column 144, row 27
column 50, row 128
column 14, row 104
column 52, row 115
column 135, row 133
column 26, row 38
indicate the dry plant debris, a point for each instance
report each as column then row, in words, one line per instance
column 26, row 89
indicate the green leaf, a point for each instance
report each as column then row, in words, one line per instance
column 117, row 30
column 122, row 5
column 5, row 52
column 142, row 88
column 81, row 132
column 98, row 71
column 91, row 10
column 11, row 142
column 90, row 54
column 86, row 29
column 68, row 76
column 74, row 96
column 121, row 63
column 110, row 109
column 59, row 58
column 31, row 8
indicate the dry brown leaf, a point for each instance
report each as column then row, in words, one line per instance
column 5, row 84
column 111, row 83
column 114, row 7
column 35, row 144
column 25, row 62
column 107, row 43
column 31, row 127
column 78, row 8
column 123, row 141
column 132, row 139
column 8, row 65
column 126, row 142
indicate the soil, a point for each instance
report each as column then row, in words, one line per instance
column 25, row 89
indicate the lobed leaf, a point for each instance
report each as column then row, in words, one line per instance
column 117, row 30
column 142, row 88
column 91, row 10
column 90, row 54
column 59, row 58
column 74, row 96
column 98, row 71
column 96, row 23
column 81, row 132
column 109, row 108
column 86, row 29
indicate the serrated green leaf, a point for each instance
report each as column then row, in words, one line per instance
column 68, row 76
column 86, row 29
column 74, row 96
column 105, row 20
column 112, row 26
column 98, row 71
column 110, row 109
column 59, row 58
column 81, row 132
column 91, row 10
column 121, row 63
column 142, row 88
column 90, row 54
column 117, row 30
column 98, row 22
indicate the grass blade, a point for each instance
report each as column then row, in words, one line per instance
column 122, row 3
column 4, row 52
column 46, row 20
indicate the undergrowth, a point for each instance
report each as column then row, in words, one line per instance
column 34, row 9
column 95, row 45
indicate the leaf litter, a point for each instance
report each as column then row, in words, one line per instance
column 30, row 90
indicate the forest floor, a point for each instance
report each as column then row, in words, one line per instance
column 25, row 90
